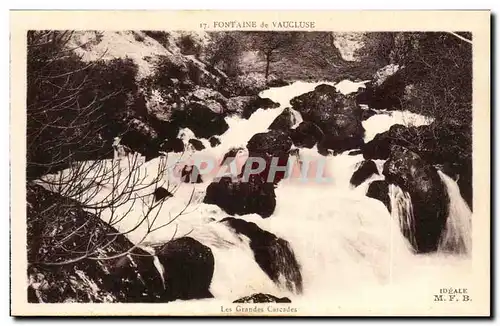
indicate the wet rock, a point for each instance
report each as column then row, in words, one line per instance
column 337, row 115
column 448, row 144
column 386, row 90
column 262, row 298
column 188, row 269
column 365, row 170
column 161, row 193
column 274, row 255
column 214, row 141
column 379, row 146
column 240, row 197
column 284, row 121
column 277, row 83
column 379, row 189
column 191, row 174
column 428, row 195
column 232, row 153
column 307, row 134
column 214, row 100
column 367, row 113
column 175, row 145
column 247, row 105
column 273, row 142
column 58, row 268
column 197, row 144
column 273, row 148
column 201, row 120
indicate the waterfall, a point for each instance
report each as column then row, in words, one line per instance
column 330, row 239
column 457, row 234
column 402, row 211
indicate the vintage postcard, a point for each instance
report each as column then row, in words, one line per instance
column 257, row 163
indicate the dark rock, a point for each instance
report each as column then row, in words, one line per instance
column 231, row 154
column 273, row 142
column 284, row 121
column 367, row 113
column 386, row 94
column 258, row 103
column 446, row 144
column 189, row 268
column 428, row 195
column 239, row 197
column 307, row 134
column 273, row 148
column 175, row 145
column 277, row 83
column 339, row 144
column 197, row 144
column 337, row 115
column 274, row 255
column 247, row 105
column 365, row 170
column 356, row 152
column 379, row 189
column 379, row 146
column 59, row 262
column 191, row 174
column 214, row 141
column 161, row 193
column 201, row 120
column 262, row 298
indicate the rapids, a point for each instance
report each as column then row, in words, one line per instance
column 346, row 243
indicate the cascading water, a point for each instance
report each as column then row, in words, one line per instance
column 457, row 234
column 402, row 211
column 343, row 241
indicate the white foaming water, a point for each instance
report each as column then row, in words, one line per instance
column 382, row 121
column 402, row 211
column 345, row 242
column 457, row 236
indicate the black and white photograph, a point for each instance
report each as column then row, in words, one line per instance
column 254, row 171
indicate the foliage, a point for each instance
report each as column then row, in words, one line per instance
column 224, row 51
column 71, row 103
column 160, row 36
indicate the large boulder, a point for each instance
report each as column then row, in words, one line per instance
column 245, row 106
column 273, row 148
column 386, row 90
column 365, row 170
column 337, row 115
column 214, row 100
column 307, row 134
column 273, row 254
column 284, row 121
column 428, row 194
column 447, row 145
column 379, row 189
column 76, row 257
column 242, row 197
column 188, row 269
column 201, row 120
column 379, row 146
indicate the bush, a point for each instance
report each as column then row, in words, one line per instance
column 161, row 37
column 189, row 46
column 73, row 107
